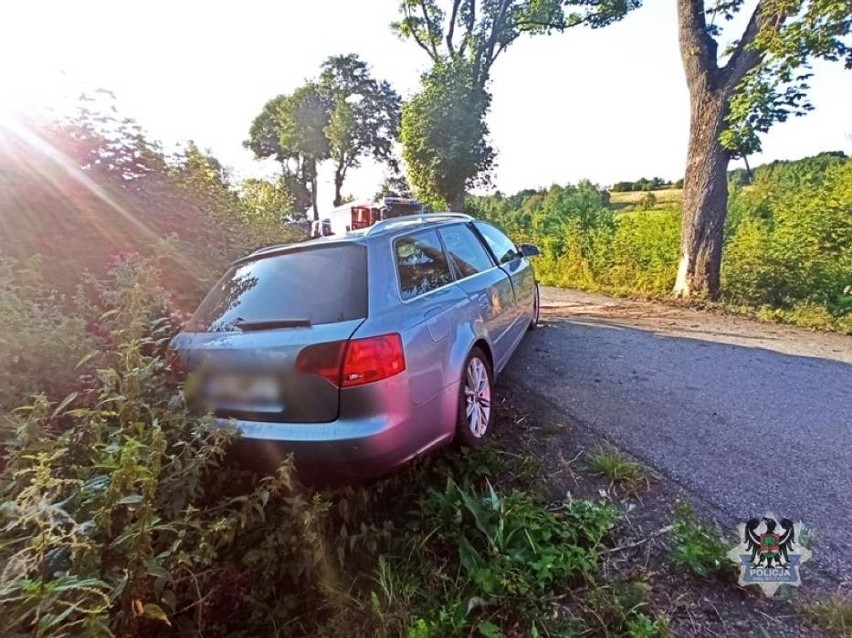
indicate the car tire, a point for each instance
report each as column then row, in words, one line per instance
column 476, row 412
column 536, row 310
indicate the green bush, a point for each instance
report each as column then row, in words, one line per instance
column 744, row 267
column 648, row 201
column 41, row 341
column 644, row 252
column 117, row 516
column 787, row 253
column 790, row 242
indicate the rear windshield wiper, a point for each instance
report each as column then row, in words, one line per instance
column 272, row 324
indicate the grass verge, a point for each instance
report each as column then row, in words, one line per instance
column 833, row 614
column 620, row 472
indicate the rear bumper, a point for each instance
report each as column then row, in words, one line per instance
column 363, row 446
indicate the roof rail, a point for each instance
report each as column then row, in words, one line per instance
column 410, row 219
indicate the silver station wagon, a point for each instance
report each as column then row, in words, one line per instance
column 362, row 351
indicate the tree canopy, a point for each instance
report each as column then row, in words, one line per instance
column 770, row 64
column 444, row 136
column 290, row 129
column 343, row 116
column 395, row 185
column 444, row 133
column 363, row 116
column 479, row 31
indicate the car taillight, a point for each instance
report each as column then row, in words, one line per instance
column 323, row 359
column 372, row 359
column 353, row 363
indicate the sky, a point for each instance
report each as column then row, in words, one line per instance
column 607, row 105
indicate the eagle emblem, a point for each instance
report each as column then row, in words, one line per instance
column 768, row 543
column 769, row 553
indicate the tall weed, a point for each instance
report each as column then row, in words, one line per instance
column 41, row 341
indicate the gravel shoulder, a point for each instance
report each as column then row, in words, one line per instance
column 677, row 321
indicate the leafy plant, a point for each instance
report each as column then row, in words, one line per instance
column 509, row 545
column 117, row 514
column 698, row 548
column 41, row 342
column 648, row 201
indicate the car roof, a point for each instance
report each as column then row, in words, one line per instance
column 397, row 225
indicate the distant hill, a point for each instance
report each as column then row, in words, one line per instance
column 802, row 166
column 738, row 175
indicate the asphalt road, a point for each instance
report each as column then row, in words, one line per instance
column 749, row 417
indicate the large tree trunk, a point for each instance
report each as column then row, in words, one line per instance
column 457, row 202
column 705, row 199
column 748, row 169
column 705, row 188
column 311, row 170
column 339, row 176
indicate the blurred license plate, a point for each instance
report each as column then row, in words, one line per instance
column 239, row 388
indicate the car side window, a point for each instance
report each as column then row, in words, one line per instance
column 503, row 248
column 465, row 250
column 421, row 263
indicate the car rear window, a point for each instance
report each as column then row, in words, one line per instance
column 321, row 285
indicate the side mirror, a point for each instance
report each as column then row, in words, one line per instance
column 530, row 250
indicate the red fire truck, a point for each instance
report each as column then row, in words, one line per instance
column 356, row 216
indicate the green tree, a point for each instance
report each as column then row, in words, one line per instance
column 344, row 116
column 102, row 142
column 622, row 187
column 264, row 141
column 302, row 121
column 444, row 135
column 737, row 93
column 363, row 119
column 393, row 186
column 266, row 201
column 204, row 176
column 648, row 201
column 291, row 129
column 463, row 39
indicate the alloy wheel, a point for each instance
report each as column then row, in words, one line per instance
column 477, row 392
